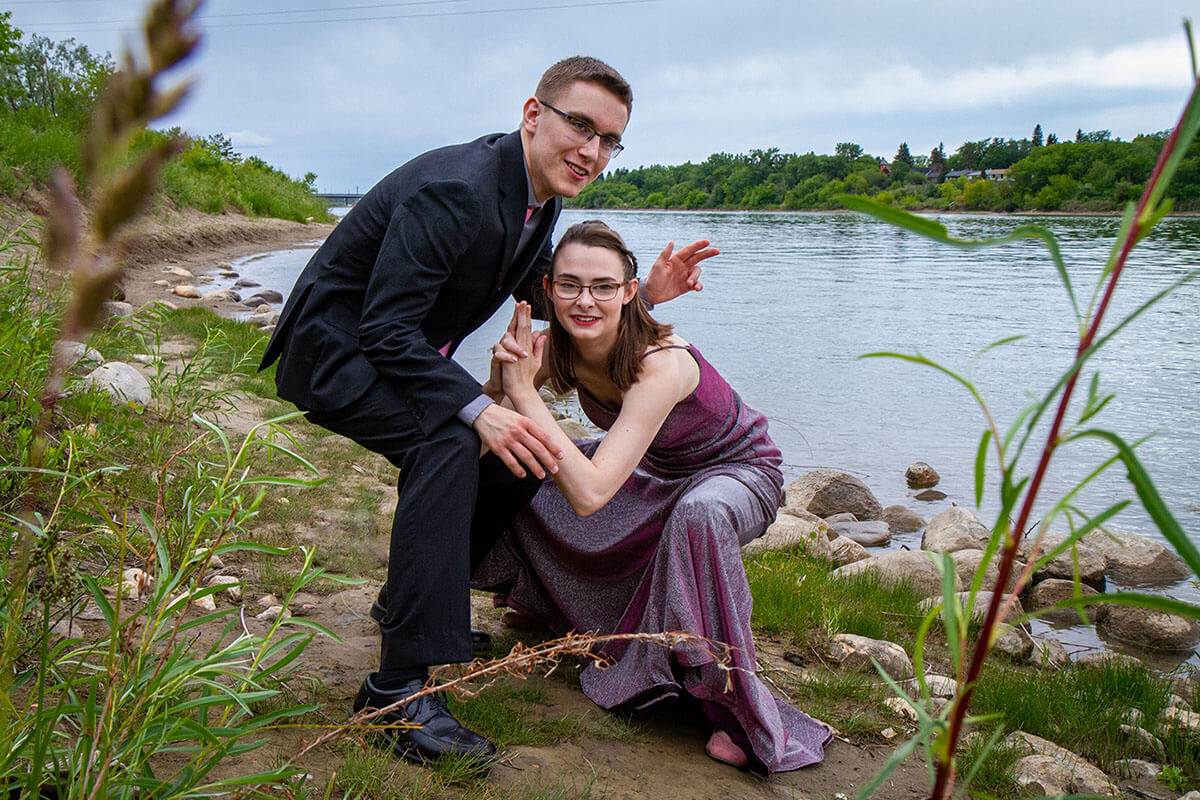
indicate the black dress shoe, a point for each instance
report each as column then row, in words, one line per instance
column 440, row 733
column 481, row 642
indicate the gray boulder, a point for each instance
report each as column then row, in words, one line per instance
column 264, row 296
column 860, row 653
column 246, row 283
column 808, row 519
column 1148, row 629
column 1132, row 559
column 1064, row 772
column 79, row 356
column 966, row 564
column 1091, row 562
column 1049, row 653
column 1053, row 591
column 1106, row 658
column 868, row 534
column 825, row 492
column 929, row 495
column 121, row 382
column 792, row 533
column 847, row 551
column 920, row 475
column 899, row 567
column 113, row 310
column 902, row 520
column 222, row 296
column 263, row 319
column 955, row 529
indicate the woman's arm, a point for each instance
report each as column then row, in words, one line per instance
column 588, row 484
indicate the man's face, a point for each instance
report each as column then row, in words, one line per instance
column 558, row 163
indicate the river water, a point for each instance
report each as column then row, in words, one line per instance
column 795, row 299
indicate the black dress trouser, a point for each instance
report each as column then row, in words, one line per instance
column 451, row 507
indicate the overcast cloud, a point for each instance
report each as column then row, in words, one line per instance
column 351, row 89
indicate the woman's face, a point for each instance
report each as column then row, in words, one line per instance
column 582, row 269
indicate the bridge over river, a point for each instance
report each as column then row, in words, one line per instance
column 335, row 199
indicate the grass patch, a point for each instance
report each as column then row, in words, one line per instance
column 516, row 715
column 993, row 779
column 852, row 702
column 798, row 599
column 1083, row 709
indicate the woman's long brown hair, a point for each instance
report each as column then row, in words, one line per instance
column 636, row 330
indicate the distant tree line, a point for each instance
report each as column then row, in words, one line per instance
column 1091, row 172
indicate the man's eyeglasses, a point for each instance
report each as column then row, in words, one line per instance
column 569, row 290
column 610, row 146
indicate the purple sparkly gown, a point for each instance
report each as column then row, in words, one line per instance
column 664, row 555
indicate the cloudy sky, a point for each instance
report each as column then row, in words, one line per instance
column 351, row 88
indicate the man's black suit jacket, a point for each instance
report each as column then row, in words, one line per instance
column 425, row 258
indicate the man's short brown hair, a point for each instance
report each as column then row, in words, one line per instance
column 562, row 75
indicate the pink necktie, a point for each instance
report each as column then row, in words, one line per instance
column 528, row 214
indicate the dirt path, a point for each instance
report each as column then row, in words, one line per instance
column 666, row 761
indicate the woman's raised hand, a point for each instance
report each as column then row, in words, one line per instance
column 518, row 354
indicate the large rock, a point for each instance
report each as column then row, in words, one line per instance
column 902, row 520
column 847, row 551
column 792, row 533
column 860, row 653
column 263, row 319
column 1148, row 629
column 1091, row 562
column 907, row 567
column 1053, row 591
column 808, row 519
column 187, row 290
column 920, row 475
column 79, row 356
column 113, row 310
column 222, row 296
column 825, row 492
column 1069, row 772
column 979, row 609
column 264, row 296
column 120, row 381
column 966, row 564
column 955, row 529
column 1049, row 653
column 1134, row 559
column 869, row 534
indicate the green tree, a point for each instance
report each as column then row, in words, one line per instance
column 1037, row 135
column 903, row 155
column 848, row 151
column 1052, row 139
column 937, row 163
column 60, row 79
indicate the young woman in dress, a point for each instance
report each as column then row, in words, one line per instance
column 641, row 530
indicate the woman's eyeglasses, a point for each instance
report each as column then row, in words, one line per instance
column 569, row 289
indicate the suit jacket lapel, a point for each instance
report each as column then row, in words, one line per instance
column 514, row 196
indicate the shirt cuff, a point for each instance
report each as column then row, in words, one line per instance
column 473, row 409
column 644, row 297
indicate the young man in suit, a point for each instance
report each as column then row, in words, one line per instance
column 364, row 341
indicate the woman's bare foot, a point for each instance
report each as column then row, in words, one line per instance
column 722, row 748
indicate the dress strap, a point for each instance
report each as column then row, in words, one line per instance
column 667, row 347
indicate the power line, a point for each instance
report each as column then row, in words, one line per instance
column 265, row 13
column 475, row 12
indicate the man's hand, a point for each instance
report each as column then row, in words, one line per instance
column 517, row 440
column 677, row 272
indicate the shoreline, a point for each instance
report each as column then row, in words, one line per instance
column 201, row 243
